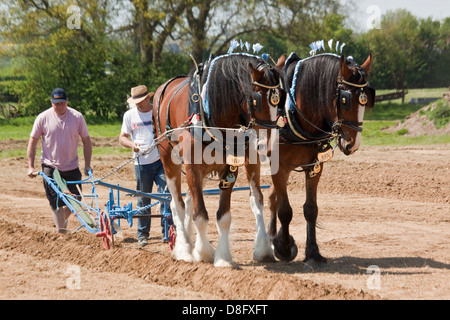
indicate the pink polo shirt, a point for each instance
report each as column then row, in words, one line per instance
column 60, row 137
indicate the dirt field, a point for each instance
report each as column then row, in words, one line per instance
column 384, row 216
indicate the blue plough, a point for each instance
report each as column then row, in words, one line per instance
column 105, row 224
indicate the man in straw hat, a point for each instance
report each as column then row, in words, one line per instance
column 137, row 134
column 60, row 128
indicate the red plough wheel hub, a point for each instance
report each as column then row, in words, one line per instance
column 106, row 232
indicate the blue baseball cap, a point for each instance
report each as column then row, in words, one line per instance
column 58, row 95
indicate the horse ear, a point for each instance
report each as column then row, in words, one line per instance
column 281, row 61
column 368, row 63
column 346, row 73
column 255, row 73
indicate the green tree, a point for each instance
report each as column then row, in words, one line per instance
column 393, row 47
column 443, row 61
column 408, row 52
column 51, row 45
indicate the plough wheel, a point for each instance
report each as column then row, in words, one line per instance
column 106, row 232
column 172, row 237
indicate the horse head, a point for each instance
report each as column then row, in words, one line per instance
column 353, row 96
column 268, row 90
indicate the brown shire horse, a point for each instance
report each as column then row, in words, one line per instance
column 327, row 99
column 238, row 92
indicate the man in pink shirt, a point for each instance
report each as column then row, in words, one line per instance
column 60, row 128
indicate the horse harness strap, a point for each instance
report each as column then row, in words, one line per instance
column 196, row 115
column 158, row 125
column 325, row 152
column 168, row 125
column 290, row 130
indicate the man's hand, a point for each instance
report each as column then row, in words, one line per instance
column 32, row 173
column 86, row 170
column 136, row 147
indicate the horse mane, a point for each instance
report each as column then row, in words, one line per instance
column 229, row 87
column 317, row 81
column 316, row 84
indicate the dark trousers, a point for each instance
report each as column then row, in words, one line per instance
column 145, row 176
column 73, row 175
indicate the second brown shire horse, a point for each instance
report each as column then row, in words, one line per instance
column 327, row 99
column 192, row 115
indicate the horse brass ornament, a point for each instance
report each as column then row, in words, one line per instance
column 235, row 161
column 363, row 99
column 274, row 98
column 325, row 156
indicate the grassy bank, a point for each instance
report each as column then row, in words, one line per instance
column 373, row 136
column 20, row 128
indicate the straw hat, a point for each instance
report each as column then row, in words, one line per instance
column 138, row 94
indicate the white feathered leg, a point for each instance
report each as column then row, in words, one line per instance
column 262, row 247
column 223, row 255
column 203, row 250
column 182, row 249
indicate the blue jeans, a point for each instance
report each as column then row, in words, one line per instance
column 145, row 176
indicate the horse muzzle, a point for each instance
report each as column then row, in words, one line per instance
column 349, row 147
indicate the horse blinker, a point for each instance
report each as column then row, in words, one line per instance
column 345, row 99
column 257, row 102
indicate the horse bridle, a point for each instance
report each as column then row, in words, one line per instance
column 274, row 96
column 255, row 103
column 344, row 101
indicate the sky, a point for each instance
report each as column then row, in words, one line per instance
column 368, row 10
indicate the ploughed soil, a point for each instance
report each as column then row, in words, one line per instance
column 384, row 225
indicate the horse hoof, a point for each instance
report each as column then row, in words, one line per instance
column 264, row 259
column 315, row 262
column 314, row 265
column 264, row 253
column 203, row 257
column 312, row 255
column 182, row 253
column 183, row 257
column 285, row 253
column 223, row 264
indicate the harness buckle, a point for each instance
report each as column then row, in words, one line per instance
column 314, row 171
column 228, row 179
column 235, row 161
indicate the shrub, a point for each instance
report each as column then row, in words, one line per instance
column 440, row 115
column 402, row 132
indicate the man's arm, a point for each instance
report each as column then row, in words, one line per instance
column 87, row 151
column 31, row 154
column 125, row 141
